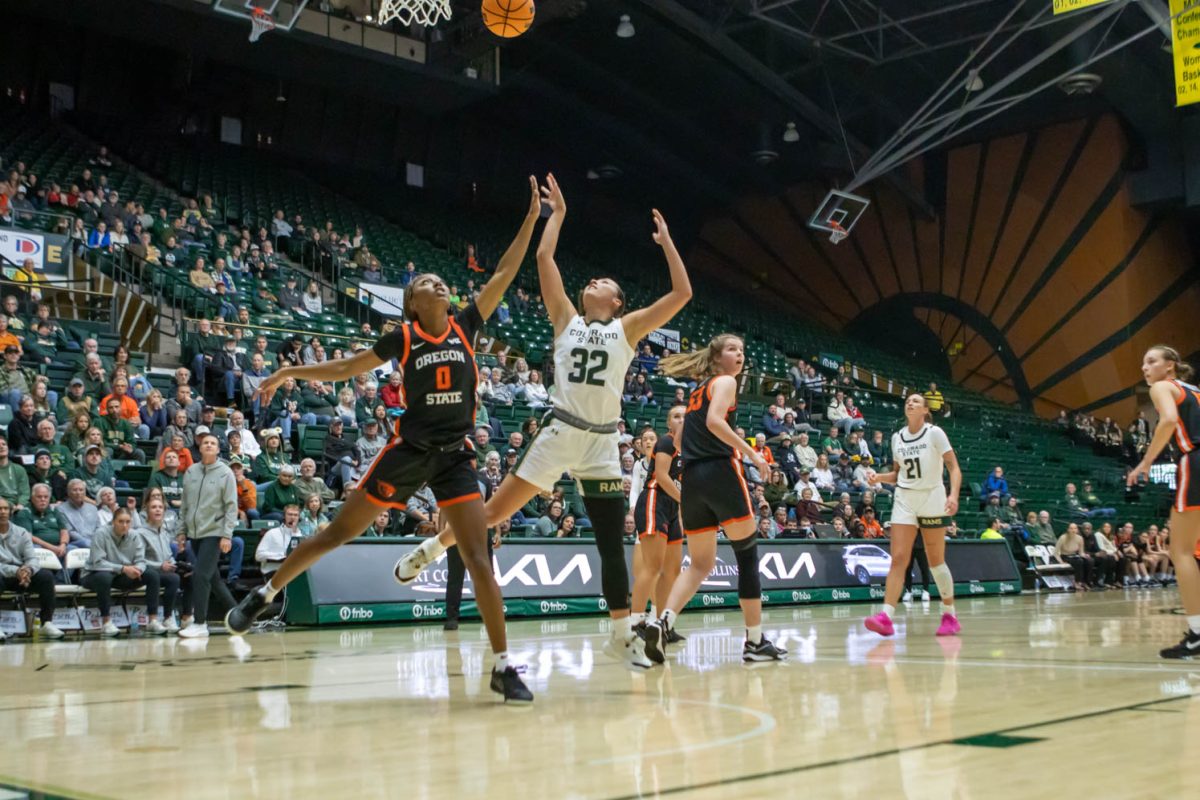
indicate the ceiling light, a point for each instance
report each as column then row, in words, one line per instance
column 592, row 175
column 625, row 28
column 974, row 82
column 279, row 97
column 791, row 135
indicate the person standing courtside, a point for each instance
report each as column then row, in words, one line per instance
column 207, row 517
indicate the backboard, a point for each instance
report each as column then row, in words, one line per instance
column 838, row 214
column 285, row 14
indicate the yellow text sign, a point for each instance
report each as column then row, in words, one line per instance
column 1067, row 6
column 1185, row 45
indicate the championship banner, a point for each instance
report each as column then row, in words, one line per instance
column 1185, row 46
column 48, row 251
column 387, row 300
column 563, row 577
column 1067, row 6
column 663, row 337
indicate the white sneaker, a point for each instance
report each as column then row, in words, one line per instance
column 50, row 631
column 632, row 652
column 926, row 596
column 172, row 626
column 907, row 598
column 410, row 565
column 156, row 628
column 3, row 636
column 194, row 631
column 110, row 629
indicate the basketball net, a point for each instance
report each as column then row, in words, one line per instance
column 421, row 12
column 836, row 232
column 260, row 23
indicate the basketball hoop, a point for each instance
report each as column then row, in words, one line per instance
column 836, row 232
column 421, row 12
column 260, row 22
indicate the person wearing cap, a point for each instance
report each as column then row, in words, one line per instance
column 280, row 493
column 15, row 380
column 510, row 460
column 307, row 482
column 42, row 470
column 96, row 472
column 289, row 296
column 247, row 492
column 370, row 443
column 272, row 458
column 264, row 302
column 118, row 434
column 843, row 473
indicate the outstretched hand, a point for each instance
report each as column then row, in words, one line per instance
column 661, row 235
column 552, row 195
column 266, row 390
column 535, row 198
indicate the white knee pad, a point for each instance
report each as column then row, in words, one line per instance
column 944, row 580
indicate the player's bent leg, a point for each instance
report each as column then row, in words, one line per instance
column 1185, row 530
column 672, row 564
column 647, row 564
column 354, row 517
column 743, row 538
column 512, row 494
column 702, row 547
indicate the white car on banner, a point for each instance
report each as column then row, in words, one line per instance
column 866, row 561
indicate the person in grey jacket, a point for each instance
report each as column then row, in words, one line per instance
column 157, row 536
column 207, row 517
column 21, row 572
column 117, row 558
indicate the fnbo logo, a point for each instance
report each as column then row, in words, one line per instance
column 348, row 613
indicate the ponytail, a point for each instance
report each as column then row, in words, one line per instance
column 1183, row 370
column 699, row 364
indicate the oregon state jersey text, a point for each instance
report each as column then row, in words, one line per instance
column 698, row 442
column 440, row 378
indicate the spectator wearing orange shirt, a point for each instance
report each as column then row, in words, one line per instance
column 129, row 407
column 180, row 449
column 867, row 526
column 7, row 337
column 247, row 492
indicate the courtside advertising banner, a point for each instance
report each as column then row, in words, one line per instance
column 358, row 575
column 48, row 251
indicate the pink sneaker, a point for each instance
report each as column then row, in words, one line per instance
column 881, row 623
column 949, row 626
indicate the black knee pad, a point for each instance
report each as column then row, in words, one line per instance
column 749, row 582
column 608, row 521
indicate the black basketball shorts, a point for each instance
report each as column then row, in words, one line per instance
column 713, row 494
column 401, row 469
column 656, row 514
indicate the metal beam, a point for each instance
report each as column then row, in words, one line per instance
column 776, row 85
column 1160, row 13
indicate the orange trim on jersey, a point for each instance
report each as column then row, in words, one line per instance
column 713, row 529
column 1184, row 475
column 737, row 519
column 737, row 468
column 1182, row 392
column 375, row 501
column 474, row 365
column 453, row 501
column 432, row 339
column 407, row 348
column 1181, row 438
column 677, row 541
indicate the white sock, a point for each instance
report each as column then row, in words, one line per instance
column 1194, row 623
column 668, row 618
column 501, row 661
column 653, row 613
column 889, row 609
column 432, row 547
column 268, row 591
column 754, row 633
column 949, row 610
column 623, row 628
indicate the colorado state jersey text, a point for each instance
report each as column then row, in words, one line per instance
column 919, row 457
column 590, row 362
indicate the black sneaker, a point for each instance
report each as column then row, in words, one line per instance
column 241, row 617
column 763, row 651
column 640, row 629
column 1189, row 647
column 656, row 642
column 675, row 637
column 509, row 684
column 450, row 625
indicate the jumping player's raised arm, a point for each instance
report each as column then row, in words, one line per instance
column 510, row 263
column 638, row 324
column 558, row 305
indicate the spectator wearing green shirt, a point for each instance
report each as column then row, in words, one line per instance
column 831, row 445
column 170, row 480
column 118, row 434
column 94, row 378
column 281, row 493
column 272, row 458
column 307, row 483
column 96, row 472
column 14, row 481
column 1044, row 534
column 43, row 471
column 15, row 381
column 75, row 402
column 48, row 526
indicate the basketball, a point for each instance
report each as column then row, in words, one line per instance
column 507, row 18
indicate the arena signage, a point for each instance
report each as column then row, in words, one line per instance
column 48, row 251
column 1067, row 6
column 564, row 577
column 1185, row 46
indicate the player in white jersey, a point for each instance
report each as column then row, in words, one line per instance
column 593, row 347
column 920, row 450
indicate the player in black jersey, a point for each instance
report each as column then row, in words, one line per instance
column 656, row 515
column 713, row 495
column 430, row 445
column 1178, row 404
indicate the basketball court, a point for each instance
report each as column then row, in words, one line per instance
column 1040, row 691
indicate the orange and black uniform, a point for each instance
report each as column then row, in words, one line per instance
column 430, row 442
column 656, row 512
column 713, row 491
column 1187, row 437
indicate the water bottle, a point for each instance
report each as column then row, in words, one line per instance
column 133, row 623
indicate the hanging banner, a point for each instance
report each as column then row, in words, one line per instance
column 1185, row 45
column 1067, row 6
column 387, row 300
column 665, row 338
column 49, row 251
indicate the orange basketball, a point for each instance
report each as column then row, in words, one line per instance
column 507, row 18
